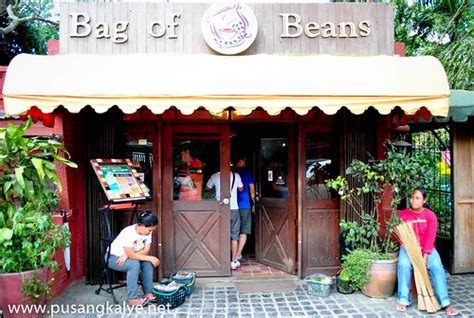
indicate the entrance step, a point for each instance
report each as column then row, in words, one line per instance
column 247, row 284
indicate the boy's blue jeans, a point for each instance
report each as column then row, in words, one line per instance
column 437, row 273
column 134, row 268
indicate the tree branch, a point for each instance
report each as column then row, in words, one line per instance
column 451, row 21
column 16, row 21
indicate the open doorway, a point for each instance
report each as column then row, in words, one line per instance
column 270, row 158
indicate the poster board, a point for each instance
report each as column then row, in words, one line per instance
column 119, row 180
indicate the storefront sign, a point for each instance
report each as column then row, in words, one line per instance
column 82, row 27
column 226, row 28
column 293, row 28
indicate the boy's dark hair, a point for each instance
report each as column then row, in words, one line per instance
column 147, row 219
column 237, row 157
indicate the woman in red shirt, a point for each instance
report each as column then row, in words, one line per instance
column 425, row 229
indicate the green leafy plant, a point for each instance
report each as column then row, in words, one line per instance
column 35, row 289
column 345, row 275
column 28, row 181
column 357, row 264
column 401, row 172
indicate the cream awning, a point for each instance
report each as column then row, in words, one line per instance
column 218, row 82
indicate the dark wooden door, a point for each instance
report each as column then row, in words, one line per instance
column 276, row 208
column 319, row 250
column 196, row 222
column 463, row 167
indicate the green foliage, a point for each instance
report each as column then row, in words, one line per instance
column 28, row 236
column 364, row 235
column 442, row 28
column 432, row 144
column 402, row 172
column 357, row 264
column 32, row 36
column 345, row 275
column 35, row 289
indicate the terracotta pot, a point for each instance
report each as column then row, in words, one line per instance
column 10, row 285
column 382, row 279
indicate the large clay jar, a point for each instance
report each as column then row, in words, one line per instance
column 11, row 296
column 382, row 279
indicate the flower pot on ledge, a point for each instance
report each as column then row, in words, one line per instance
column 11, row 295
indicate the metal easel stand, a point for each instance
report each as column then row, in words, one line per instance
column 105, row 241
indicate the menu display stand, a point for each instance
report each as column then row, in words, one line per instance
column 124, row 190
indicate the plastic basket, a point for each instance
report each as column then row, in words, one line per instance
column 174, row 298
column 318, row 288
column 187, row 282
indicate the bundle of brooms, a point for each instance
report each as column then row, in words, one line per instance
column 426, row 298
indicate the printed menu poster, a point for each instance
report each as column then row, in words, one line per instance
column 120, row 180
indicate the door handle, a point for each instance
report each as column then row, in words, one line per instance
column 224, row 201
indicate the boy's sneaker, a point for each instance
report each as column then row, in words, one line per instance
column 234, row 265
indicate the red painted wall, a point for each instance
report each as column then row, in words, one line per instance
column 72, row 195
column 72, row 181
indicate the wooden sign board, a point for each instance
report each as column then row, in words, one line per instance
column 176, row 27
column 119, row 180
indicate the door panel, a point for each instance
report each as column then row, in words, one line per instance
column 319, row 231
column 196, row 231
column 463, row 167
column 276, row 209
column 274, row 234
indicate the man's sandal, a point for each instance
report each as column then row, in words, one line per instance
column 138, row 302
column 401, row 308
column 451, row 311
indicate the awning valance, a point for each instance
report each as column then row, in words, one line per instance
column 461, row 107
column 218, row 82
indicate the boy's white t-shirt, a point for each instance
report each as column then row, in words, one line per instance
column 215, row 181
column 129, row 237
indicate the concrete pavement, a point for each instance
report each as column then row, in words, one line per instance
column 265, row 297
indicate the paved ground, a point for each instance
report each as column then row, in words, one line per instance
column 221, row 297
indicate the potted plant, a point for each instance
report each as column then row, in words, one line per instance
column 344, row 282
column 28, row 236
column 371, row 250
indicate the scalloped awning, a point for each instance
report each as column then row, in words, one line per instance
column 461, row 107
column 218, row 82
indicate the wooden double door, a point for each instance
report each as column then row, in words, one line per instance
column 196, row 220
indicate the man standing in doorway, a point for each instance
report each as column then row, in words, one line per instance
column 246, row 200
column 235, row 184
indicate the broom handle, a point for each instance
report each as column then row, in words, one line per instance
column 427, row 288
column 425, row 302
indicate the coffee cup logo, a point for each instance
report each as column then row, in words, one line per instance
column 229, row 29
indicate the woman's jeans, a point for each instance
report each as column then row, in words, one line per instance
column 134, row 268
column 437, row 273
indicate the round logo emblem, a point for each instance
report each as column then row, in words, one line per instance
column 229, row 28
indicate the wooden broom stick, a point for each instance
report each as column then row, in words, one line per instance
column 420, row 269
column 406, row 239
column 426, row 278
column 426, row 298
column 418, row 266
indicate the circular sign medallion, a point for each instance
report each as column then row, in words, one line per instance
column 229, row 28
